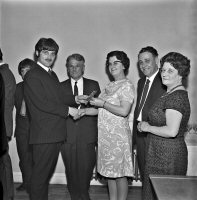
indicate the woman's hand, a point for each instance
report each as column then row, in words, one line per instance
column 97, row 102
column 143, row 127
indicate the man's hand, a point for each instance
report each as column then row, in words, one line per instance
column 81, row 113
column 73, row 112
column 81, row 99
column 76, row 113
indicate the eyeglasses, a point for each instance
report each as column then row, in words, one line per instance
column 115, row 63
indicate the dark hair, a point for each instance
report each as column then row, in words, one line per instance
column 1, row 55
column 149, row 49
column 25, row 63
column 46, row 44
column 75, row 56
column 179, row 62
column 120, row 55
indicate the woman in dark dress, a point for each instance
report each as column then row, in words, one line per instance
column 168, row 119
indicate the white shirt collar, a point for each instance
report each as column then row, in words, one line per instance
column 78, row 81
column 79, row 85
column 153, row 76
column 44, row 67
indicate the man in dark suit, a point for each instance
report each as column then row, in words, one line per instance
column 148, row 64
column 78, row 152
column 22, row 128
column 10, row 87
column 48, row 110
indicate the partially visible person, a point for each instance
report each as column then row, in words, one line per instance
column 79, row 149
column 149, row 89
column 22, row 128
column 10, row 87
column 48, row 109
column 114, row 135
column 167, row 123
column 3, row 136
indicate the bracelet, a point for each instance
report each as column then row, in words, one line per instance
column 104, row 104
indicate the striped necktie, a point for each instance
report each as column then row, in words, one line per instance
column 144, row 94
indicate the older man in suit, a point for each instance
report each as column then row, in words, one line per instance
column 79, row 150
column 48, row 109
column 149, row 89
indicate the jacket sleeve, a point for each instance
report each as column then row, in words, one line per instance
column 10, row 88
column 3, row 137
column 35, row 93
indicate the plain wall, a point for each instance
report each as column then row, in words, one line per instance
column 94, row 28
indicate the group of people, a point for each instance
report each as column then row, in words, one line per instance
column 55, row 117
column 161, row 121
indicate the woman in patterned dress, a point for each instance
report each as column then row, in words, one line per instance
column 168, row 119
column 114, row 134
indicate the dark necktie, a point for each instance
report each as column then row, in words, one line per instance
column 145, row 90
column 75, row 89
column 49, row 71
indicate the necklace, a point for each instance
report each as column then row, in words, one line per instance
column 171, row 90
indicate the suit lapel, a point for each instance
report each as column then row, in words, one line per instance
column 52, row 75
column 140, row 89
column 69, row 87
column 85, row 86
column 154, row 87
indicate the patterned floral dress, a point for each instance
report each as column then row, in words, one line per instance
column 114, row 134
column 166, row 156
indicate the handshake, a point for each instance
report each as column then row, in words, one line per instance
column 81, row 99
column 85, row 99
column 77, row 113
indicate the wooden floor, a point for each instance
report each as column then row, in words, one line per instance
column 97, row 192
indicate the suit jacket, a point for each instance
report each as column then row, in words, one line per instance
column 22, row 123
column 85, row 129
column 156, row 90
column 10, row 87
column 3, row 137
column 47, row 106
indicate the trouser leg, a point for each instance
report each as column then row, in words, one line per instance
column 7, row 176
column 45, row 158
column 25, row 158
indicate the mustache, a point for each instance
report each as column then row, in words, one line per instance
column 49, row 60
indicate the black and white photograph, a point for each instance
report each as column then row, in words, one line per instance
column 98, row 99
